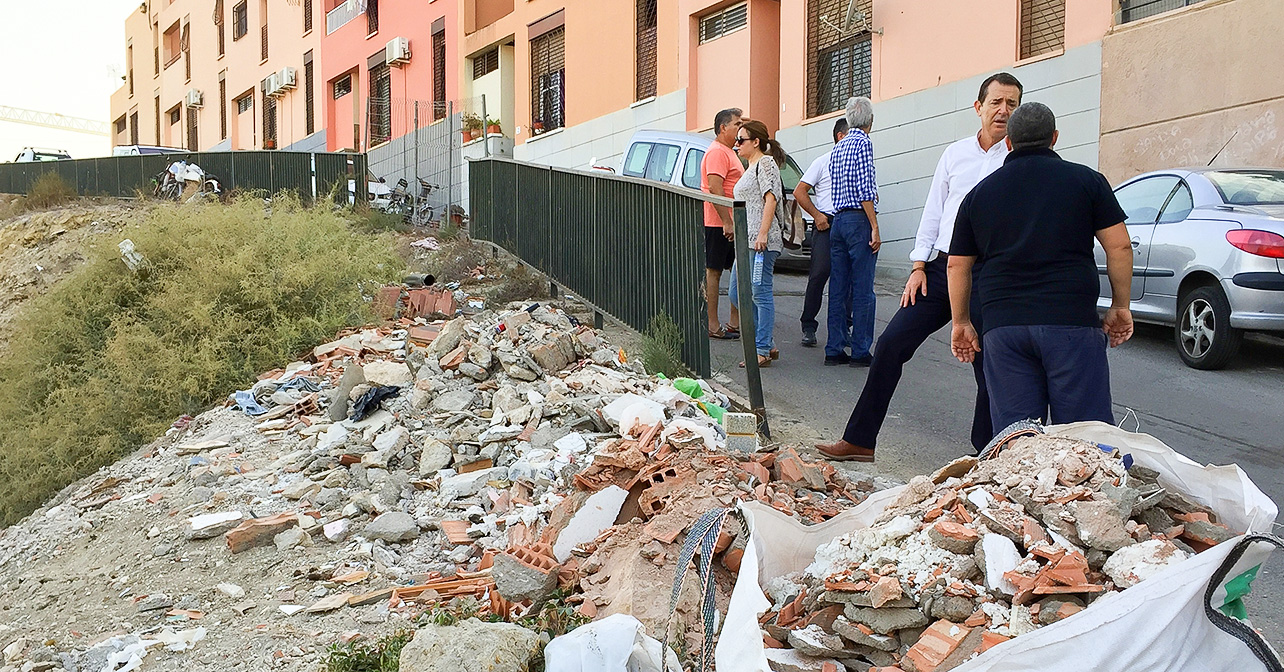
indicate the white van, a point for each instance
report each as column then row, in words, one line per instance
column 144, row 150
column 674, row 157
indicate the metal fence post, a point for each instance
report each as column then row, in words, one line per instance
column 450, row 160
column 744, row 287
column 485, row 125
column 415, row 172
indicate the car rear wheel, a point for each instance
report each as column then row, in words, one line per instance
column 1205, row 339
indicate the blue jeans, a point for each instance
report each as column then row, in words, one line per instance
column 1031, row 370
column 764, row 303
column 851, row 285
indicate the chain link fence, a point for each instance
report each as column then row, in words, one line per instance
column 428, row 144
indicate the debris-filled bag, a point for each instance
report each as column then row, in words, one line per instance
column 1178, row 616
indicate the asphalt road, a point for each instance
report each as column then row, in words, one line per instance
column 1233, row 416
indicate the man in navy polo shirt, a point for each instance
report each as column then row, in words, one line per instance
column 1031, row 224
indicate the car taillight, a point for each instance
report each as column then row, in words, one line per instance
column 1261, row 243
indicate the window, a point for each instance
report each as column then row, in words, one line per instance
column 635, row 162
column 120, row 125
column 1179, row 205
column 173, row 42
column 185, row 43
column 156, row 47
column 342, row 87
column 1249, row 187
column 244, row 103
column 1143, row 200
column 269, row 123
column 486, row 63
column 1043, row 27
column 691, row 168
column 664, row 158
column 307, row 16
column 129, row 65
column 1132, row 10
column 379, row 114
column 218, row 26
column 133, row 128
column 725, row 21
column 838, row 62
column 372, row 16
column 646, row 49
column 222, row 105
column 175, row 115
column 439, row 74
column 548, row 80
column 157, row 117
column 240, row 20
column 263, row 30
column 309, row 107
column 192, row 143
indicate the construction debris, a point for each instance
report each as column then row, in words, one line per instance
column 980, row 552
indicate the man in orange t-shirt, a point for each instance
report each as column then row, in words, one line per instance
column 719, row 171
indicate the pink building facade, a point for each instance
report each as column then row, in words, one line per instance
column 383, row 63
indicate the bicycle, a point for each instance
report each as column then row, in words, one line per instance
column 422, row 212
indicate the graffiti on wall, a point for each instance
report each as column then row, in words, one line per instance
column 1194, row 142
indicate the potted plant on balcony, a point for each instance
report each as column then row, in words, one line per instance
column 537, row 126
column 472, row 126
column 493, row 127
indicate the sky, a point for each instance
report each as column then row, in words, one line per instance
column 64, row 56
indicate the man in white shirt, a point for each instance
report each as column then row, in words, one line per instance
column 820, row 206
column 925, row 303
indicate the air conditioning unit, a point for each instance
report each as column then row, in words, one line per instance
column 287, row 79
column 194, row 98
column 272, row 85
column 397, row 51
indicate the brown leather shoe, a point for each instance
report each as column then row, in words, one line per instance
column 841, row 451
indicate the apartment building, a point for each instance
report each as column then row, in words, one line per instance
column 221, row 74
column 386, row 64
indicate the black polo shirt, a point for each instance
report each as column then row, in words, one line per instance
column 1031, row 224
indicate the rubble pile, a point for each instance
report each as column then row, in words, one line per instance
column 980, row 552
column 486, row 461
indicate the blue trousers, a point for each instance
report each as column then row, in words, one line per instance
column 851, row 285
column 764, row 302
column 1055, row 373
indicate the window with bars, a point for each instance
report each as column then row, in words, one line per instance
column 342, row 87
column 486, row 63
column 240, row 20
column 133, row 128
column 269, row 123
column 838, row 55
column 439, row 75
column 193, row 144
column 218, row 27
column 1043, row 27
column 379, row 115
column 647, row 47
column 548, row 80
column 175, row 114
column 309, row 106
column 1133, row 10
column 245, row 103
column 222, row 106
column 372, row 17
column 307, row 16
column 263, row 42
column 724, row 21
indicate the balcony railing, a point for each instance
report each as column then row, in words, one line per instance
column 341, row 15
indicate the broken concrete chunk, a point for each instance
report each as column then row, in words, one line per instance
column 1131, row 565
column 789, row 660
column 952, row 537
column 1100, row 525
column 887, row 620
column 259, row 531
column 597, row 514
column 470, row 646
column 518, row 581
column 812, row 641
column 384, row 373
column 211, row 525
column 393, row 527
column 434, row 457
column 859, row 637
column 457, row 400
column 336, row 531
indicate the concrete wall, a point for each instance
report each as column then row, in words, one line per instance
column 312, row 143
column 1178, row 86
column 604, row 140
column 911, row 132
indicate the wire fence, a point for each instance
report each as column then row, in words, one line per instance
column 426, row 144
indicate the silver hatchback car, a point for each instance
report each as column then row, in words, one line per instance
column 1208, row 256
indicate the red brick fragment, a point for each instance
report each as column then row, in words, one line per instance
column 938, row 641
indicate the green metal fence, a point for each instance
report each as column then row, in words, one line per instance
column 307, row 174
column 630, row 247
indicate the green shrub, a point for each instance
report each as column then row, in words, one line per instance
column 104, row 361
column 662, row 347
column 383, row 655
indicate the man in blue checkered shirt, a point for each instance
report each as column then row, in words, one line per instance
column 853, row 242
